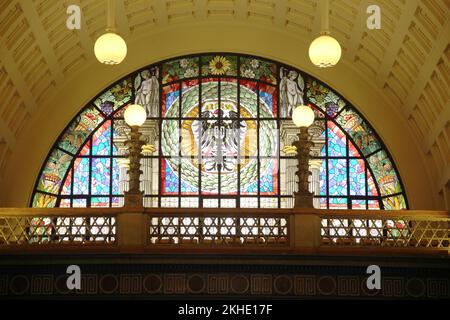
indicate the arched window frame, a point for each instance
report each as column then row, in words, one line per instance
column 55, row 198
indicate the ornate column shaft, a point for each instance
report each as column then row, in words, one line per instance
column 303, row 197
column 134, row 196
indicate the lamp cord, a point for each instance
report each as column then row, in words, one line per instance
column 111, row 24
column 325, row 25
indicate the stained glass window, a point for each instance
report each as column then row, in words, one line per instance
column 216, row 135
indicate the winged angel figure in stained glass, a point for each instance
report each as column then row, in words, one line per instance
column 291, row 92
column 147, row 92
column 220, row 134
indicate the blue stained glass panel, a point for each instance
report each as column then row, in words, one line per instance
column 337, row 177
column 359, row 204
column 100, row 202
column 189, row 180
column 250, row 189
column 81, row 176
column 323, row 178
column 115, row 151
column 338, row 203
column 101, row 176
column 116, row 175
column 170, row 180
column 249, row 183
column 102, row 140
column 357, row 176
column 322, row 152
column 267, row 98
column 170, row 100
column 336, row 141
column 115, row 202
column 268, row 183
column 171, row 97
column 79, row 203
column 268, row 95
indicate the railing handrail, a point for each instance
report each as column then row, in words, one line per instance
column 68, row 212
column 338, row 214
column 385, row 214
column 139, row 227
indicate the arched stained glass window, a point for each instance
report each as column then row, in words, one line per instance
column 216, row 136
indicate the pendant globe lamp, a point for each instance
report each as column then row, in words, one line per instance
column 325, row 51
column 110, row 48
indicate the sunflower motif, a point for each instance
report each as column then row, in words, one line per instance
column 219, row 65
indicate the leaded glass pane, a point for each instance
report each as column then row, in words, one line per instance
column 115, row 97
column 219, row 134
column 219, row 65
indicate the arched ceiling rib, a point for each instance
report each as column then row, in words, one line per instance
column 408, row 59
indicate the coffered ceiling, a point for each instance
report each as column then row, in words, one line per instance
column 408, row 59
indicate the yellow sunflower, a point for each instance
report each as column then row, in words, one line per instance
column 219, row 65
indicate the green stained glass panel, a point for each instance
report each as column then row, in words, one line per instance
column 359, row 130
column 210, row 92
column 219, row 65
column 258, row 69
column 179, row 69
column 54, row 171
column 115, row 97
column 42, row 200
column 229, row 90
column 384, row 173
column 395, row 203
column 80, row 129
column 249, row 99
column 190, row 99
column 327, row 100
column 268, row 138
column 170, row 144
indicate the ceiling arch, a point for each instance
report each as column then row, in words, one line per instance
column 397, row 76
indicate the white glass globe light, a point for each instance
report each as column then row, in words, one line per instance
column 303, row 116
column 110, row 48
column 135, row 115
column 325, row 51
